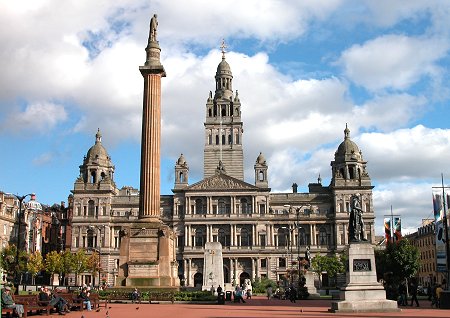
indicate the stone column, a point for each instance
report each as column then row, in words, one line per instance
column 152, row 71
column 188, row 278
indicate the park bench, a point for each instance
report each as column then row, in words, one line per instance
column 72, row 301
column 31, row 302
column 10, row 311
column 96, row 302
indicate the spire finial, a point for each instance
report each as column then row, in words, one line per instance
column 346, row 132
column 98, row 136
column 223, row 47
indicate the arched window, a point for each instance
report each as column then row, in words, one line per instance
column 209, row 112
column 93, row 176
column 91, row 208
column 90, row 238
column 283, row 237
column 261, row 175
column 199, row 237
column 229, row 140
column 223, row 139
column 223, row 238
column 245, row 208
column 302, row 237
column 181, row 177
column 245, row 238
column 217, row 139
column 323, row 238
column 200, row 208
column 224, row 111
column 351, row 171
column 222, row 206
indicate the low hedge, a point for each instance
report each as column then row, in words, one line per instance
column 160, row 295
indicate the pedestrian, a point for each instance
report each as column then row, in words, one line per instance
column 213, row 290
column 238, row 295
column 413, row 292
column 402, row 291
column 292, row 294
column 8, row 302
column 136, row 296
column 438, row 295
column 269, row 292
column 219, row 289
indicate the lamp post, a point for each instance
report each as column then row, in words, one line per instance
column 99, row 228
column 20, row 198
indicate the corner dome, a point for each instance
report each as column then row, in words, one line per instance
column 181, row 161
column 348, row 147
column 223, row 67
column 97, row 151
column 261, row 159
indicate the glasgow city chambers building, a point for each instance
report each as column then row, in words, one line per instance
column 261, row 232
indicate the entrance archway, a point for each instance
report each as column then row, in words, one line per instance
column 198, row 279
column 243, row 277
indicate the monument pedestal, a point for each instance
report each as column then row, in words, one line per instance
column 362, row 293
column 213, row 266
column 147, row 256
column 312, row 290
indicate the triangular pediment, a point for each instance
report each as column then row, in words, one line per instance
column 221, row 182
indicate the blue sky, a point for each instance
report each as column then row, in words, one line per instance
column 303, row 70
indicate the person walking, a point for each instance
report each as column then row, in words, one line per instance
column 269, row 292
column 413, row 293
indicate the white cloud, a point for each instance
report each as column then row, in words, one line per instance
column 408, row 155
column 38, row 117
column 392, row 61
column 411, row 201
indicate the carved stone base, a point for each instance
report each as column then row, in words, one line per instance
column 362, row 293
column 147, row 256
column 312, row 290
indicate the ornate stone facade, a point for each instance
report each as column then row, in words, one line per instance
column 261, row 232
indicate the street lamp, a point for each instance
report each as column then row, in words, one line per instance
column 20, row 198
column 99, row 228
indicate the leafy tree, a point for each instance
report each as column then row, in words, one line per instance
column 67, row 263
column 93, row 263
column 35, row 264
column 8, row 261
column 80, row 262
column 400, row 259
column 260, row 285
column 332, row 265
column 53, row 263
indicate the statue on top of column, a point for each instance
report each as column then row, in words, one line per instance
column 153, row 27
column 356, row 222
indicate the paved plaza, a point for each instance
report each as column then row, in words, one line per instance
column 253, row 308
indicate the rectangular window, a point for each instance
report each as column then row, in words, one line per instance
column 262, row 240
column 262, row 209
column 263, row 263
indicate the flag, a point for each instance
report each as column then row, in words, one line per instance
column 397, row 229
column 387, row 229
column 438, row 208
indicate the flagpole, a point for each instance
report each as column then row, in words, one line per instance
column 444, row 219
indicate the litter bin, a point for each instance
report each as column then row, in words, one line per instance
column 445, row 299
column 221, row 299
column 228, row 296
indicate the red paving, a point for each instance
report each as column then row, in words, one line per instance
column 254, row 308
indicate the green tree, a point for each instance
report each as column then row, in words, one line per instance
column 80, row 263
column 332, row 265
column 67, row 263
column 8, row 261
column 259, row 286
column 35, row 264
column 93, row 264
column 399, row 259
column 53, row 264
